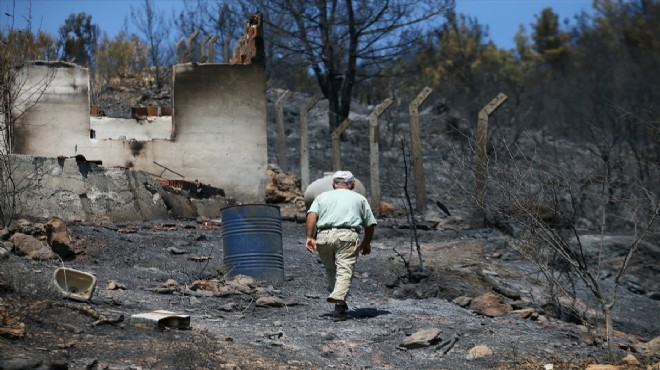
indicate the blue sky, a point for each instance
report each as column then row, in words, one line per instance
column 502, row 17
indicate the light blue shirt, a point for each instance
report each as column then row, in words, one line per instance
column 342, row 208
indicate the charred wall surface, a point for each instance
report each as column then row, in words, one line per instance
column 73, row 189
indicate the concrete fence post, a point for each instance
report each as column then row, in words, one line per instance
column 225, row 50
column 304, row 142
column 191, row 46
column 336, row 135
column 204, row 56
column 181, row 50
column 415, row 138
column 281, row 137
column 374, row 152
column 481, row 172
column 210, row 50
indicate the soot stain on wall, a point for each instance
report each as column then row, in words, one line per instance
column 136, row 147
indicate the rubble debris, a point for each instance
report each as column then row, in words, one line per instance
column 161, row 319
column 478, row 352
column 115, row 285
column 422, row 338
column 250, row 46
column 75, row 284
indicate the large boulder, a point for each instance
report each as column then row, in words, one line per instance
column 283, row 189
column 59, row 239
column 490, row 304
column 325, row 184
column 31, row 247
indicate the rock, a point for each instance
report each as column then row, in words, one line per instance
column 11, row 325
column 179, row 205
column 109, row 225
column 24, row 226
column 602, row 367
column 636, row 288
column 238, row 286
column 228, row 307
column 206, row 285
column 270, row 302
column 631, row 360
column 59, row 239
column 520, row 304
column 175, row 250
column 650, row 348
column 4, row 253
column 226, row 291
column 524, row 313
column 489, row 304
column 115, row 285
column 388, row 210
column 281, row 187
column 655, row 295
column 33, row 248
column 452, row 223
column 17, row 363
column 248, row 281
column 9, row 246
column 4, row 234
column 422, row 338
column 259, row 292
column 59, row 364
column 478, row 352
column 462, row 301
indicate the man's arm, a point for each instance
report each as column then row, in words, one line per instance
column 310, row 244
column 365, row 246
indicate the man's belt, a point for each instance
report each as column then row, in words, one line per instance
column 339, row 228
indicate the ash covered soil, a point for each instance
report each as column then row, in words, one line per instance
column 430, row 321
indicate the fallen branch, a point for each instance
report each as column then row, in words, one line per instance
column 107, row 320
column 86, row 310
column 447, row 345
column 45, row 305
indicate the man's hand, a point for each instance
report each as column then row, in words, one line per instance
column 310, row 225
column 365, row 248
column 311, row 245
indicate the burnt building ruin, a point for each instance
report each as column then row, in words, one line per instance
column 216, row 131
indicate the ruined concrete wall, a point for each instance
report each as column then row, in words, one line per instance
column 80, row 190
column 52, row 110
column 108, row 128
column 219, row 127
column 220, row 122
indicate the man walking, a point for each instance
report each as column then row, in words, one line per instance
column 339, row 216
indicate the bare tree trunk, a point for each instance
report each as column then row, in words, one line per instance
column 611, row 347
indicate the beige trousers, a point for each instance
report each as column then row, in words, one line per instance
column 338, row 250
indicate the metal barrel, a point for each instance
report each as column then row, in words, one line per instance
column 252, row 241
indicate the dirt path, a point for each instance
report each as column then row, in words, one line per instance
column 236, row 331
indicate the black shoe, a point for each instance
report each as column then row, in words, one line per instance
column 341, row 310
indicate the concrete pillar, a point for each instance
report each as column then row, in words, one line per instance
column 304, row 142
column 281, row 137
column 415, row 138
column 481, row 173
column 336, row 135
column 374, row 151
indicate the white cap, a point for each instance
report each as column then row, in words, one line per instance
column 343, row 176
